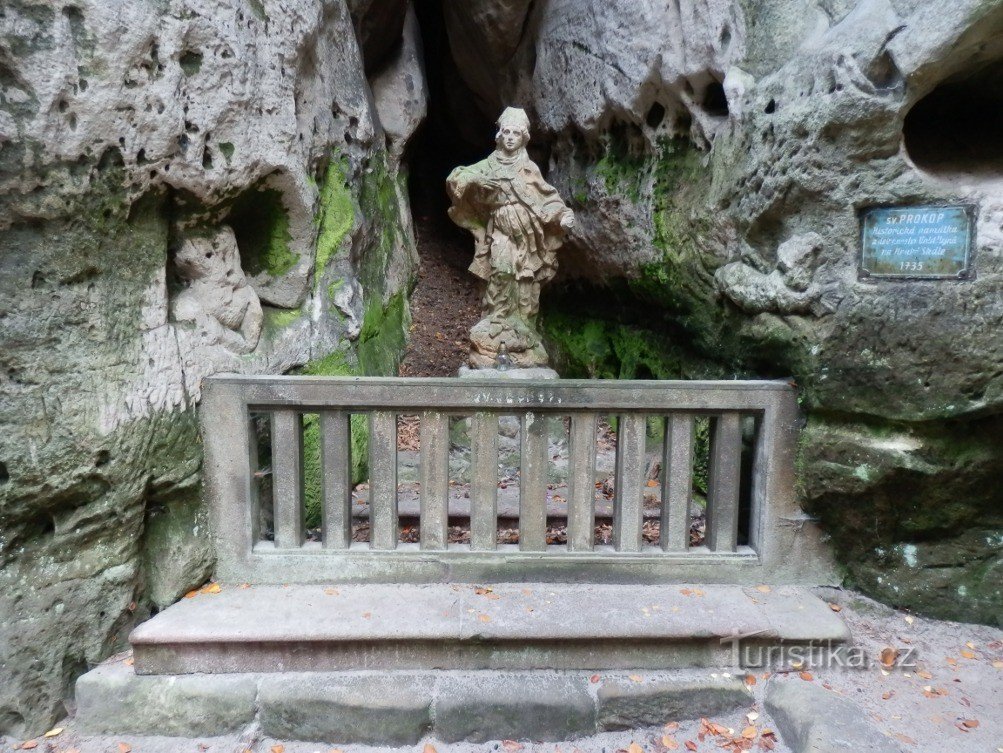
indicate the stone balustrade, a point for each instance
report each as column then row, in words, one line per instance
column 754, row 529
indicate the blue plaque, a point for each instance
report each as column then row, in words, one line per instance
column 932, row 242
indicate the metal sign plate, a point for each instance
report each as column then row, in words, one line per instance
column 922, row 242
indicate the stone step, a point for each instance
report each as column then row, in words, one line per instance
column 463, row 626
column 399, row 707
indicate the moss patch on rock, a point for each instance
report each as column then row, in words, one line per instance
column 335, row 216
column 261, row 225
column 336, row 363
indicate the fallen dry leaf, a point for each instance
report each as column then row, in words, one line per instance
column 634, row 748
column 483, row 618
column 690, row 745
column 594, row 679
column 635, row 678
column 671, row 727
column 129, row 662
column 29, row 745
column 924, row 674
column 192, row 594
column 669, row 742
column 750, row 679
column 332, row 591
column 889, row 694
column 512, row 745
column 54, row 732
column 212, row 588
column 278, row 748
column 806, row 676
column 126, row 748
column 970, row 723
column 749, row 733
column 835, row 607
column 429, row 748
column 904, row 738
column 888, row 656
column 998, row 664
column 652, row 482
column 764, row 589
column 965, row 653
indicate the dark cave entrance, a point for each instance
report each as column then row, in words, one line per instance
column 957, row 129
column 446, row 301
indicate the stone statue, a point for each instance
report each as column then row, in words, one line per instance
column 216, row 297
column 518, row 221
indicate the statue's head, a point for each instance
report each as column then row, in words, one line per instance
column 513, row 130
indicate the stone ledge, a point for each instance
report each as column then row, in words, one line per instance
column 112, row 699
column 398, row 708
column 638, row 702
column 814, row 720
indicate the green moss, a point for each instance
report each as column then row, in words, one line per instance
column 276, row 318
column 191, row 62
column 258, row 9
column 622, row 170
column 261, row 225
column 383, row 336
column 336, row 215
column 336, row 363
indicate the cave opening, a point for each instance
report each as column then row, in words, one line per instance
column 957, row 129
column 446, row 301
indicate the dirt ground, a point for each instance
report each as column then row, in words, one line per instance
column 445, row 303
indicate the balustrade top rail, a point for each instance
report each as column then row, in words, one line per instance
column 761, row 495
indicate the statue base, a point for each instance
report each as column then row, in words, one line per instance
column 537, row 372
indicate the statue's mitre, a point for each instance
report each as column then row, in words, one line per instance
column 514, row 117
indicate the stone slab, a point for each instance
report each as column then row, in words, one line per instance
column 345, row 709
column 113, row 699
column 541, row 706
column 396, row 707
column 464, row 626
column 539, row 372
column 628, row 703
column 811, row 719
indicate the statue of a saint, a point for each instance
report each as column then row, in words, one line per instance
column 518, row 221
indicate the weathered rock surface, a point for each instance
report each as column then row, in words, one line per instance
column 716, row 156
column 185, row 188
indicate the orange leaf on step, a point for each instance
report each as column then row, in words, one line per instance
column 634, row 748
column 669, row 742
column 126, row 748
column 888, row 656
column 806, row 676
column 690, row 745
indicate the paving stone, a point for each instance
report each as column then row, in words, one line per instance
column 112, row 699
column 384, row 709
column 811, row 719
column 479, row 706
column 626, row 703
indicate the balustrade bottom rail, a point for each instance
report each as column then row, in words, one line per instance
column 754, row 530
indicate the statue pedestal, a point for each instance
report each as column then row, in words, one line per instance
column 538, row 372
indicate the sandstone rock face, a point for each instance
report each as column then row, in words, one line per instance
column 717, row 155
column 185, row 188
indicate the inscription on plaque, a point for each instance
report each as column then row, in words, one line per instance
column 917, row 242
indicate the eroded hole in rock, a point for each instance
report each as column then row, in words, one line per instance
column 4, row 473
column 958, row 127
column 714, row 101
column 655, row 116
column 261, row 226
